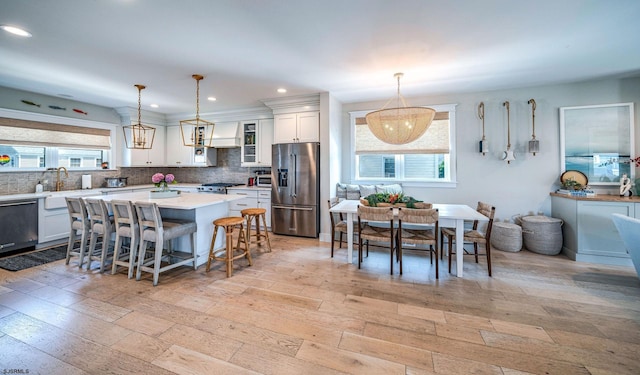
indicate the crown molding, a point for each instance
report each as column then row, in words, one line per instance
column 256, row 113
column 130, row 114
column 300, row 103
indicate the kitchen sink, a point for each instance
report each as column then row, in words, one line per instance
column 56, row 199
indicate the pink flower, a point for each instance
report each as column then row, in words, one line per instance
column 169, row 178
column 159, row 177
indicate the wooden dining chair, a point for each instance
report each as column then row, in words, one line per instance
column 418, row 226
column 474, row 236
column 375, row 224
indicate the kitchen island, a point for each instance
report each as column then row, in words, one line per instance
column 200, row 208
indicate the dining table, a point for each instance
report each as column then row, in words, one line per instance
column 449, row 216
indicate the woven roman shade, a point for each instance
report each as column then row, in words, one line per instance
column 434, row 141
column 34, row 133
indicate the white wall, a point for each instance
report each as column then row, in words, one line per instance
column 330, row 157
column 524, row 185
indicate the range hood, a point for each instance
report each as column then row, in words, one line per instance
column 226, row 135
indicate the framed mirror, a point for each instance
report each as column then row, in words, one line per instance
column 598, row 141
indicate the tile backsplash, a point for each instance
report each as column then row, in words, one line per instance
column 227, row 170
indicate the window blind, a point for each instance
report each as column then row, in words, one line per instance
column 434, row 141
column 34, row 133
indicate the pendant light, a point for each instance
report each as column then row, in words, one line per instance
column 534, row 144
column 399, row 125
column 139, row 136
column 508, row 155
column 197, row 132
column 484, row 144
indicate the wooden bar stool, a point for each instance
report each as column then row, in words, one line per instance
column 229, row 224
column 259, row 236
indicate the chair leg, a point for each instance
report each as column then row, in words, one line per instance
column 133, row 255
column 142, row 252
column 103, row 254
column 450, row 251
column 441, row 246
column 437, row 271
column 117, row 247
column 91, row 249
column 487, row 246
column 341, row 239
column 246, row 243
column 194, row 251
column 475, row 250
column 266, row 231
column 333, row 241
column 360, row 251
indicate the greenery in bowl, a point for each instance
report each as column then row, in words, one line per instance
column 398, row 198
column 571, row 184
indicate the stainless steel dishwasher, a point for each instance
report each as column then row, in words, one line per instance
column 18, row 224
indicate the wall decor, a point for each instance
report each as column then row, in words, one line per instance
column 598, row 140
column 508, row 155
column 483, row 144
column 30, row 103
column 534, row 144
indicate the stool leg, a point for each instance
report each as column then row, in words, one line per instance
column 246, row 244
column 229, row 252
column 266, row 231
column 211, row 248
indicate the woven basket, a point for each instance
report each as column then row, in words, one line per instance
column 506, row 237
column 542, row 234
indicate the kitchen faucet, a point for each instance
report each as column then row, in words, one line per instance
column 60, row 184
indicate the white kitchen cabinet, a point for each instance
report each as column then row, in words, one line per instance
column 254, row 197
column 154, row 156
column 179, row 155
column 53, row 224
column 297, row 127
column 588, row 230
column 257, row 138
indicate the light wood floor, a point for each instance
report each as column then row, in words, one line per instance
column 297, row 311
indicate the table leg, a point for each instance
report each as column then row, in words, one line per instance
column 459, row 246
column 349, row 238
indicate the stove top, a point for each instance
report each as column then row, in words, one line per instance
column 221, row 184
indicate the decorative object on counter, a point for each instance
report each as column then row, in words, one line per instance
column 534, row 144
column 401, row 124
column 542, row 234
column 388, row 200
column 115, row 182
column 39, row 187
column 139, row 136
column 162, row 181
column 508, row 155
column 573, row 180
column 86, row 181
column 197, row 132
column 625, row 186
column 76, row 110
column 483, row 144
column 104, row 165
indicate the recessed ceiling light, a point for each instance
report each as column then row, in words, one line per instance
column 282, row 90
column 154, row 106
column 16, row 31
column 211, row 99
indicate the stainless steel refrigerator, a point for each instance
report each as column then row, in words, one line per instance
column 295, row 191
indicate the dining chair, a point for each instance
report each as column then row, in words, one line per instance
column 474, row 236
column 101, row 226
column 418, row 226
column 154, row 229
column 339, row 225
column 375, row 224
column 125, row 221
column 79, row 227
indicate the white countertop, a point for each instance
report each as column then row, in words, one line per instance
column 184, row 201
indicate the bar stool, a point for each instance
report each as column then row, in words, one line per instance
column 229, row 224
column 126, row 227
column 79, row 220
column 258, row 237
column 155, row 229
column 101, row 226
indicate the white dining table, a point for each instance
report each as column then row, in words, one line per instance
column 449, row 216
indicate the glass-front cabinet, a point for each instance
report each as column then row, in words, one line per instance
column 257, row 139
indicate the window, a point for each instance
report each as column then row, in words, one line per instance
column 431, row 158
column 28, row 144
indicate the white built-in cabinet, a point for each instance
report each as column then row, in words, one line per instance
column 297, row 127
column 253, row 197
column 154, row 156
column 257, row 138
column 179, row 155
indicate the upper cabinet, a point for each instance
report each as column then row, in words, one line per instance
column 297, row 127
column 154, row 156
column 257, row 138
column 179, row 155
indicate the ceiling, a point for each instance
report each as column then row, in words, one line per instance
column 96, row 50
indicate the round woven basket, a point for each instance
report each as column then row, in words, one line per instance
column 506, row 237
column 542, row 234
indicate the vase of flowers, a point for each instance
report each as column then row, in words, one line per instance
column 162, row 181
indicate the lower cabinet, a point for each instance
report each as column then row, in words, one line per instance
column 53, row 224
column 588, row 230
column 260, row 198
